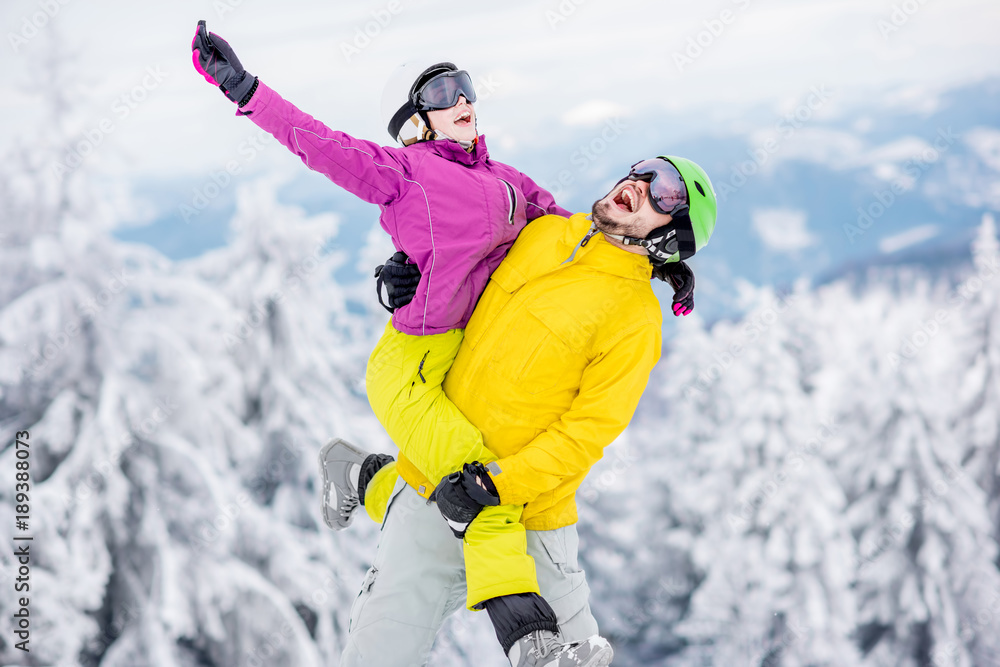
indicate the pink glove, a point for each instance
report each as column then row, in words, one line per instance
column 215, row 60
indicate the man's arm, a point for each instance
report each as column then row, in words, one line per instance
column 363, row 168
column 609, row 393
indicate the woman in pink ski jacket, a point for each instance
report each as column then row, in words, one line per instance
column 454, row 211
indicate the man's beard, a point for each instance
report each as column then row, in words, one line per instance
column 604, row 223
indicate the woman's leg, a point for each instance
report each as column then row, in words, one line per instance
column 404, row 379
column 379, row 491
column 496, row 556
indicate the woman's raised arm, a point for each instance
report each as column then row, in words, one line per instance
column 363, row 168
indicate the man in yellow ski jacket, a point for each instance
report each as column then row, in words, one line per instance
column 551, row 369
column 553, row 364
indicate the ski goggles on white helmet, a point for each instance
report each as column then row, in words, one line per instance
column 443, row 90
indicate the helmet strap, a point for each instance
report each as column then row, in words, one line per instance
column 415, row 129
column 657, row 240
column 678, row 231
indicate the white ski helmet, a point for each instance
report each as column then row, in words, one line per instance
column 404, row 120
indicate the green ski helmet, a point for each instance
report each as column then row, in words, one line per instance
column 684, row 192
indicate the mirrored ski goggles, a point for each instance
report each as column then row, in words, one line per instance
column 443, row 91
column 667, row 191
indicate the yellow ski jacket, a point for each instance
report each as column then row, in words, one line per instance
column 554, row 361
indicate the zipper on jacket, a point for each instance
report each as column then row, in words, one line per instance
column 582, row 243
column 511, row 201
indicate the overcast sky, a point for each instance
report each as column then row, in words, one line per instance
column 550, row 63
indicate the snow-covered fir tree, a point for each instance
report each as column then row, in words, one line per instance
column 801, row 487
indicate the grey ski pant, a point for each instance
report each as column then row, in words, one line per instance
column 418, row 579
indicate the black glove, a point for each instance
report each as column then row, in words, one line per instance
column 400, row 281
column 216, row 61
column 460, row 498
column 681, row 278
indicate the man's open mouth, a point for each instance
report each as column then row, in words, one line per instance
column 627, row 199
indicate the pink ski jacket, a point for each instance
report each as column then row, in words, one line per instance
column 454, row 213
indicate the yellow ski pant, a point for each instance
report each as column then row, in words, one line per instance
column 404, row 379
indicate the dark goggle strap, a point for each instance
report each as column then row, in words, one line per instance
column 400, row 117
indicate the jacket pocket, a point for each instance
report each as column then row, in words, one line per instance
column 560, row 356
column 511, row 201
column 562, row 581
column 535, row 360
column 561, row 549
column 363, row 596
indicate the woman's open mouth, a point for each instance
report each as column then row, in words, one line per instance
column 464, row 119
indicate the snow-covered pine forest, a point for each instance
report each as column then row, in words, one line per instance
column 813, row 484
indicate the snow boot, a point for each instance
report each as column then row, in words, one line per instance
column 340, row 492
column 541, row 648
